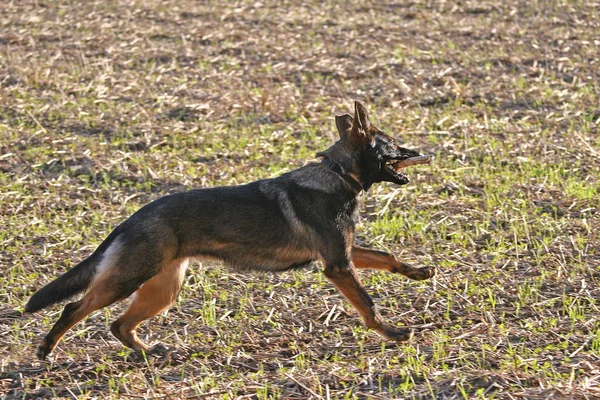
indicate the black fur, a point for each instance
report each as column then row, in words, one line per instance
column 74, row 281
column 269, row 225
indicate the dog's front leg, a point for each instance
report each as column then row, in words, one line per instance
column 345, row 278
column 381, row 260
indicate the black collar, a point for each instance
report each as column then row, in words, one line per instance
column 335, row 167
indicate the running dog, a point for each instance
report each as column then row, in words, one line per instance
column 274, row 225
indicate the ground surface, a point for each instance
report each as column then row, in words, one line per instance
column 106, row 105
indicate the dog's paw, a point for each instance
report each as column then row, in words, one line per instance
column 423, row 273
column 44, row 349
column 415, row 273
column 396, row 334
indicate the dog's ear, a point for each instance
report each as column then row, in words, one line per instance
column 361, row 126
column 343, row 123
column 362, row 116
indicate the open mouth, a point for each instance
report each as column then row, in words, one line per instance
column 393, row 167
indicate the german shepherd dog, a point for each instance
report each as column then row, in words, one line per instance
column 274, row 225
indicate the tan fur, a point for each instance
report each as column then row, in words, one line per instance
column 364, row 258
column 100, row 295
column 155, row 296
column 369, row 259
column 348, row 283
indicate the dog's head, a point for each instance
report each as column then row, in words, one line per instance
column 376, row 157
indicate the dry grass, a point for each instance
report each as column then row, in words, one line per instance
column 106, row 105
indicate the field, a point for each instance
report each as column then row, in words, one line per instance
column 107, row 105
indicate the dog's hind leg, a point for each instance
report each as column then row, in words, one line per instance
column 154, row 296
column 101, row 295
column 381, row 260
column 344, row 277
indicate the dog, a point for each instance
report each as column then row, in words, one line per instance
column 278, row 224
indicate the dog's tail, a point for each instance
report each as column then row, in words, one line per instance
column 72, row 282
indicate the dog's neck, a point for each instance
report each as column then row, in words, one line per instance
column 350, row 178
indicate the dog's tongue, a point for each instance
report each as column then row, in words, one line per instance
column 411, row 161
